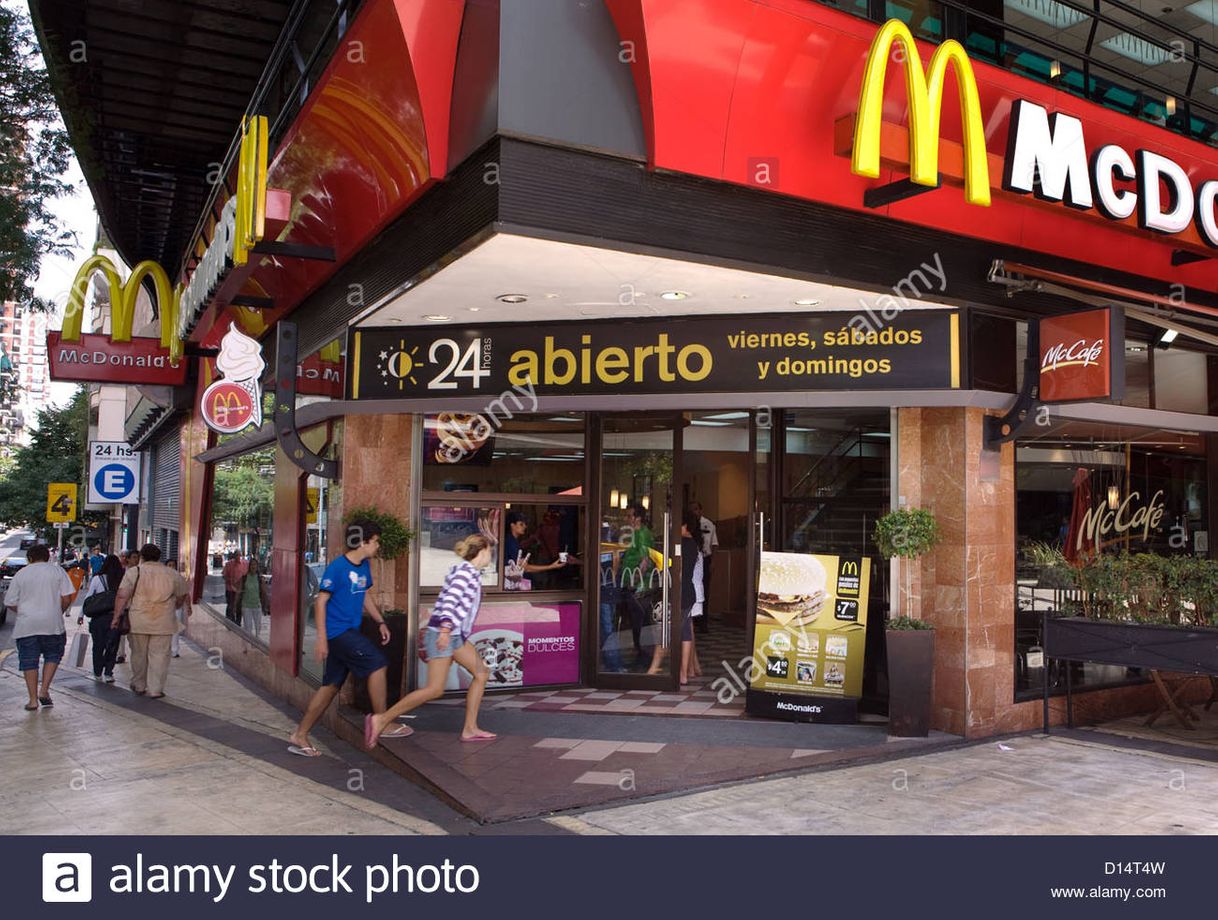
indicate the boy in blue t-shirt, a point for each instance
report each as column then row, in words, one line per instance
column 343, row 600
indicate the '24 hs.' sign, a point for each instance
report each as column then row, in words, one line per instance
column 114, row 473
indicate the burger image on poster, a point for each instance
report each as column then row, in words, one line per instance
column 241, row 364
column 791, row 588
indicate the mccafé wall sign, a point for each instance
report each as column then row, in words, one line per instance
column 1082, row 356
column 1047, row 154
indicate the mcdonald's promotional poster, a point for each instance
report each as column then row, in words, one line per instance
column 915, row 348
column 234, row 402
column 811, row 626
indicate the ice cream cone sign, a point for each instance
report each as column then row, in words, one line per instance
column 234, row 401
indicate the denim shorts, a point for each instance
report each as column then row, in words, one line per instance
column 431, row 635
column 31, row 648
column 351, row 652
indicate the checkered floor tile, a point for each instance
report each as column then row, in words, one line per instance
column 722, row 648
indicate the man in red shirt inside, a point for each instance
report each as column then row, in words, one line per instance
column 234, row 578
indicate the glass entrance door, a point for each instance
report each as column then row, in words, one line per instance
column 638, row 583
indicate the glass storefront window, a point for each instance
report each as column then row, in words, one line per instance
column 238, row 579
column 524, row 454
column 323, row 539
column 1070, row 478
column 442, row 527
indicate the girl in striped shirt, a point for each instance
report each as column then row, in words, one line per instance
column 447, row 638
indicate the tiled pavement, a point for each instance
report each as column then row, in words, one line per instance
column 552, row 761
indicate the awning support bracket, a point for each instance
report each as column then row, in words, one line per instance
column 285, row 407
column 1022, row 415
column 884, row 195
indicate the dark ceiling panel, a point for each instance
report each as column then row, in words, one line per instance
column 156, row 100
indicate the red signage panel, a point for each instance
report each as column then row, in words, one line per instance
column 96, row 359
column 1077, row 357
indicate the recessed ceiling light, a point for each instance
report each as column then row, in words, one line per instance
column 743, row 296
column 551, row 297
column 474, row 309
column 806, row 302
column 673, row 295
column 436, row 317
column 395, row 319
column 511, row 298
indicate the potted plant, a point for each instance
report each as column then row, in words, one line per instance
column 908, row 533
column 395, row 540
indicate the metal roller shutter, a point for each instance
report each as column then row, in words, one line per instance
column 166, row 492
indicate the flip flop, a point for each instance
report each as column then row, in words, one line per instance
column 31, row 707
column 481, row 736
column 46, row 701
column 398, row 731
column 299, row 751
column 370, row 732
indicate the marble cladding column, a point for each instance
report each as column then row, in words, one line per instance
column 966, row 587
column 376, row 467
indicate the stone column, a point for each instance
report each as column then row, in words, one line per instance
column 376, row 466
column 966, row 586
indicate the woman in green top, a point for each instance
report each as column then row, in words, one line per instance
column 635, row 571
column 253, row 596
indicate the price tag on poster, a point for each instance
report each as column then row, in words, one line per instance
column 811, row 637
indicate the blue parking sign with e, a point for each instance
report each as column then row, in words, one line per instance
column 114, row 482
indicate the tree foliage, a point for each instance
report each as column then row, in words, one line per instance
column 56, row 453
column 34, row 156
column 244, row 492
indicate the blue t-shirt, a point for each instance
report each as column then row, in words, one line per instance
column 95, row 564
column 346, row 584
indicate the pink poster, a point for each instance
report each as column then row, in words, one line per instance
column 523, row 645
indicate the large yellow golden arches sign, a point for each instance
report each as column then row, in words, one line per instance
column 123, row 296
column 925, row 92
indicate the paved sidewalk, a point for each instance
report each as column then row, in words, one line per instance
column 209, row 759
column 1025, row 785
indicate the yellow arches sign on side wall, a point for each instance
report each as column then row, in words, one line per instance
column 123, row 296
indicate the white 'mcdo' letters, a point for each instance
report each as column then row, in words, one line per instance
column 1047, row 157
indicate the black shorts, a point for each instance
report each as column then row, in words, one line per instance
column 351, row 652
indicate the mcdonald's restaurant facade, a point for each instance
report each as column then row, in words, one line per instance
column 590, row 265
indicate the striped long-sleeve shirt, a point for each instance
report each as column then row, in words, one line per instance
column 460, row 597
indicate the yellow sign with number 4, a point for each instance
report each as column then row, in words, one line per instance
column 61, row 502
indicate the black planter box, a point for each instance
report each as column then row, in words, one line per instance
column 911, row 676
column 1186, row 650
column 395, row 655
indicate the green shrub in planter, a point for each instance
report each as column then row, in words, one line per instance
column 395, row 535
column 906, row 532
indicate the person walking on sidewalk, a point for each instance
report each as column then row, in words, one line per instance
column 344, row 597
column 153, row 591
column 103, row 586
column 40, row 595
column 445, row 639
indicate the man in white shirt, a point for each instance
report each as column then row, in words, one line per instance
column 708, row 540
column 39, row 594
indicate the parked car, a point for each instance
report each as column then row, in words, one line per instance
column 27, row 543
column 13, row 564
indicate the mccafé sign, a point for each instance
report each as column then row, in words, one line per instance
column 1047, row 154
column 1077, row 356
column 1128, row 517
